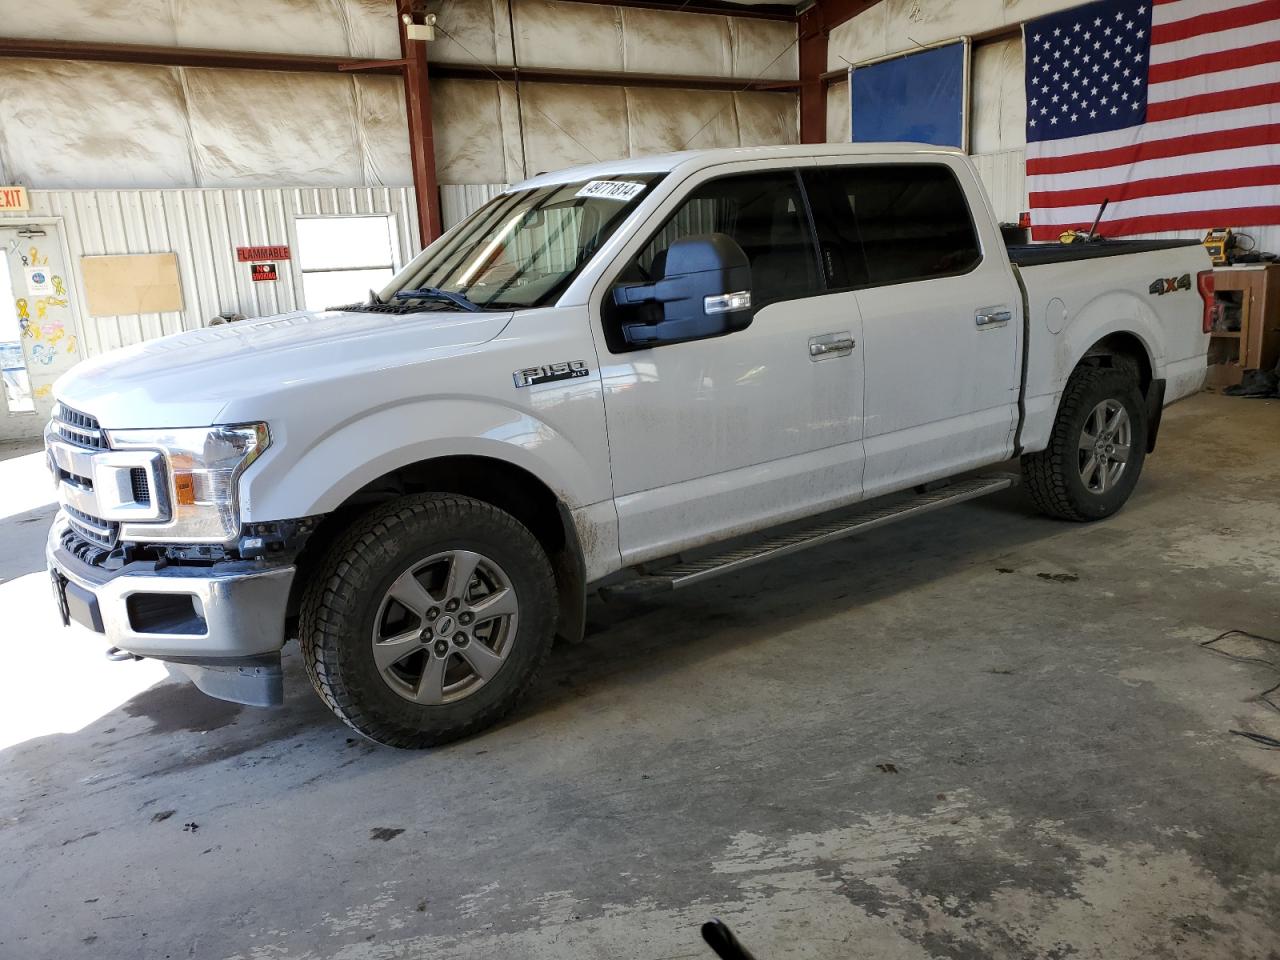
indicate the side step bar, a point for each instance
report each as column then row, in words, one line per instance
column 684, row 573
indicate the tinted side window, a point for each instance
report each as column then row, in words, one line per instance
column 891, row 224
column 765, row 214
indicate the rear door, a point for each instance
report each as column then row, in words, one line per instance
column 941, row 315
column 727, row 434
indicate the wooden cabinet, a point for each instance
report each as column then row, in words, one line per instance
column 1246, row 330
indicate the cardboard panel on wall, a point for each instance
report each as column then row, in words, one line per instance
column 132, row 284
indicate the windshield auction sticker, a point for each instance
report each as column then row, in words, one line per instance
column 621, row 190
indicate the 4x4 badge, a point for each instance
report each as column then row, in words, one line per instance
column 550, row 373
column 1162, row 285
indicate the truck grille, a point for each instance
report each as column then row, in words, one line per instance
column 102, row 533
column 78, row 428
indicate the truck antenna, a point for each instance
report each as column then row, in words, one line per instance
column 1093, row 230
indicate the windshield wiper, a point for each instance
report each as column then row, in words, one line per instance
column 435, row 293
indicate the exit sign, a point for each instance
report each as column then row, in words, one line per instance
column 14, row 198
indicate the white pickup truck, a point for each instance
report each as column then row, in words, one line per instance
column 617, row 377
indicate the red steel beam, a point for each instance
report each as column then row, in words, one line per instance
column 422, row 150
column 814, row 26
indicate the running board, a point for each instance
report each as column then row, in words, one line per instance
column 684, row 573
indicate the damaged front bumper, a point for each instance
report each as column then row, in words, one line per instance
column 222, row 625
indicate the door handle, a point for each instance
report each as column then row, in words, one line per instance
column 830, row 345
column 992, row 316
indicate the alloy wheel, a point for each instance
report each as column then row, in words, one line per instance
column 1105, row 444
column 445, row 627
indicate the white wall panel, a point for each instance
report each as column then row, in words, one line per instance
column 459, row 201
column 1003, row 173
column 203, row 227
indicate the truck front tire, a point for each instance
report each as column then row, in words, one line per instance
column 428, row 619
column 1096, row 449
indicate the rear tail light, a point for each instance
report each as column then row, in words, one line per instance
column 1204, row 283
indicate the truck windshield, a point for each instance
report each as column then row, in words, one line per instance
column 521, row 249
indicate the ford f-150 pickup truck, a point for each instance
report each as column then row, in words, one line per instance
column 618, row 378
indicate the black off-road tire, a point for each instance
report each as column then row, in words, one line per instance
column 1052, row 476
column 340, row 604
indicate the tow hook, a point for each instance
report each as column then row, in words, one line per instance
column 116, row 655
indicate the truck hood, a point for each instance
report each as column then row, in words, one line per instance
column 188, row 379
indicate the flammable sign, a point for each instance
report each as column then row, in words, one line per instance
column 263, row 271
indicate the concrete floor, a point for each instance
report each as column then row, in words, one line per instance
column 979, row 734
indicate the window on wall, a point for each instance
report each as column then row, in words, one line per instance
column 343, row 258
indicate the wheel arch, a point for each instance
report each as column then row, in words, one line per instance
column 501, row 483
column 1122, row 346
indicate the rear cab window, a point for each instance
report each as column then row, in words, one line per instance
column 881, row 224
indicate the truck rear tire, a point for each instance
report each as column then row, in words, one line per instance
column 1096, row 449
column 428, row 619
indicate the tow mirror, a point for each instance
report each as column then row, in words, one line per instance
column 705, row 291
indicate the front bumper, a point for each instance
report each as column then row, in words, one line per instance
column 223, row 624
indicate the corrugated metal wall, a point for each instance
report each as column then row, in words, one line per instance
column 458, row 201
column 203, row 227
column 1003, row 173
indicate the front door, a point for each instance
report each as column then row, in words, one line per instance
column 720, row 436
column 39, row 338
column 941, row 313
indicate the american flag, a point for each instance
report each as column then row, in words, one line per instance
column 1169, row 109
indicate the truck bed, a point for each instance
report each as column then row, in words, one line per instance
column 1037, row 254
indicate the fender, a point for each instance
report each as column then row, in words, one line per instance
column 1053, row 357
column 336, row 464
column 1120, row 311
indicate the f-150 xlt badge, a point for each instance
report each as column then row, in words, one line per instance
column 550, row 373
column 1162, row 285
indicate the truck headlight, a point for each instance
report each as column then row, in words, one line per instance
column 203, row 466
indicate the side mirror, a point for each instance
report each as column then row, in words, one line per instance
column 705, row 292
